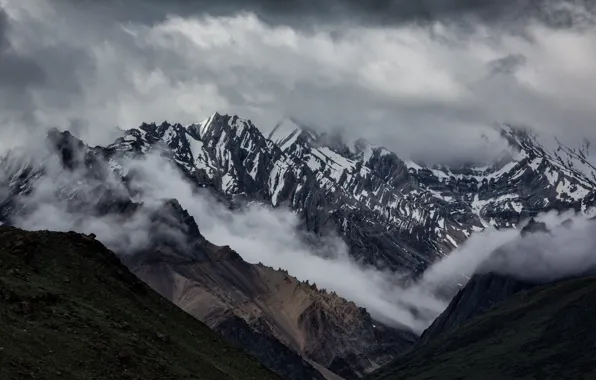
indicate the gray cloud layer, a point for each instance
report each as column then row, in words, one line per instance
column 557, row 13
column 14, row 69
column 428, row 89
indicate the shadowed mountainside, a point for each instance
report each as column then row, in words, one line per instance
column 482, row 292
column 70, row 310
column 543, row 333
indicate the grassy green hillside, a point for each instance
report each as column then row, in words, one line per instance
column 70, row 310
column 544, row 333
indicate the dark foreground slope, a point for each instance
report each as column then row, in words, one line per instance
column 544, row 333
column 70, row 310
column 482, row 292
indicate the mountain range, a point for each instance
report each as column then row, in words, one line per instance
column 392, row 213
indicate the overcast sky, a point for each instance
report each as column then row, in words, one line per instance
column 424, row 78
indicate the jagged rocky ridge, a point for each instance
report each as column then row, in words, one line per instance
column 283, row 322
column 391, row 212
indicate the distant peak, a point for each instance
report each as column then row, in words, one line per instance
column 53, row 131
column 283, row 130
column 204, row 126
column 289, row 130
column 364, row 148
column 218, row 121
column 516, row 134
column 58, row 137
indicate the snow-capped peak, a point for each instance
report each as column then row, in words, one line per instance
column 288, row 131
column 285, row 133
column 217, row 123
column 203, row 127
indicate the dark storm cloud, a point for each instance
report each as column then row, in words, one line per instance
column 52, row 72
column 556, row 13
column 18, row 74
column 15, row 70
column 397, row 11
column 508, row 64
